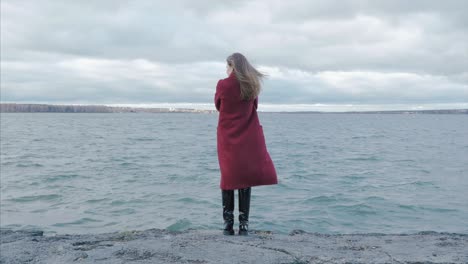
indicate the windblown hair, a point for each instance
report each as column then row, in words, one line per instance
column 249, row 78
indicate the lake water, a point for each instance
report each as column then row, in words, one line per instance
column 338, row 173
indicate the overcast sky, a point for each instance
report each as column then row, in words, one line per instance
column 378, row 53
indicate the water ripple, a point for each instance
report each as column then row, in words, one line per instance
column 81, row 221
column 34, row 198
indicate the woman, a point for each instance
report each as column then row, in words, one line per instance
column 242, row 154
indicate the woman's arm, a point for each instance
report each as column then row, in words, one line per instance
column 217, row 97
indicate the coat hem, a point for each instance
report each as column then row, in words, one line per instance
column 246, row 186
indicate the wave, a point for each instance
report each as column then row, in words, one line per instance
column 33, row 198
column 179, row 225
column 80, row 221
column 357, row 209
column 61, row 177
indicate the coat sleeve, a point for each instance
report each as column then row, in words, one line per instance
column 218, row 96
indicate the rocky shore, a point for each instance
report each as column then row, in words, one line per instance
column 210, row 246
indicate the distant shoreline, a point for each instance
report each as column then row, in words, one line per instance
column 51, row 108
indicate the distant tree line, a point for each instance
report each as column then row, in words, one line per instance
column 14, row 108
column 38, row 108
column 46, row 108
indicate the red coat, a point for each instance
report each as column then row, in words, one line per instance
column 242, row 154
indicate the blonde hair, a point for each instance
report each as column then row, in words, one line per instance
column 249, row 78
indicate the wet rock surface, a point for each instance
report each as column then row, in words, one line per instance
column 211, row 246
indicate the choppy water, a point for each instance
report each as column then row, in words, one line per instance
column 338, row 173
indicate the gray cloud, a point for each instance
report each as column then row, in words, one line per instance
column 373, row 52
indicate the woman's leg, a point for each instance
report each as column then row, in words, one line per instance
column 244, row 208
column 228, row 211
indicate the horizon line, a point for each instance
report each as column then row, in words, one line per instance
column 273, row 107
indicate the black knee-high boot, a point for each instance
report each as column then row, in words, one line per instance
column 244, row 208
column 228, row 211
